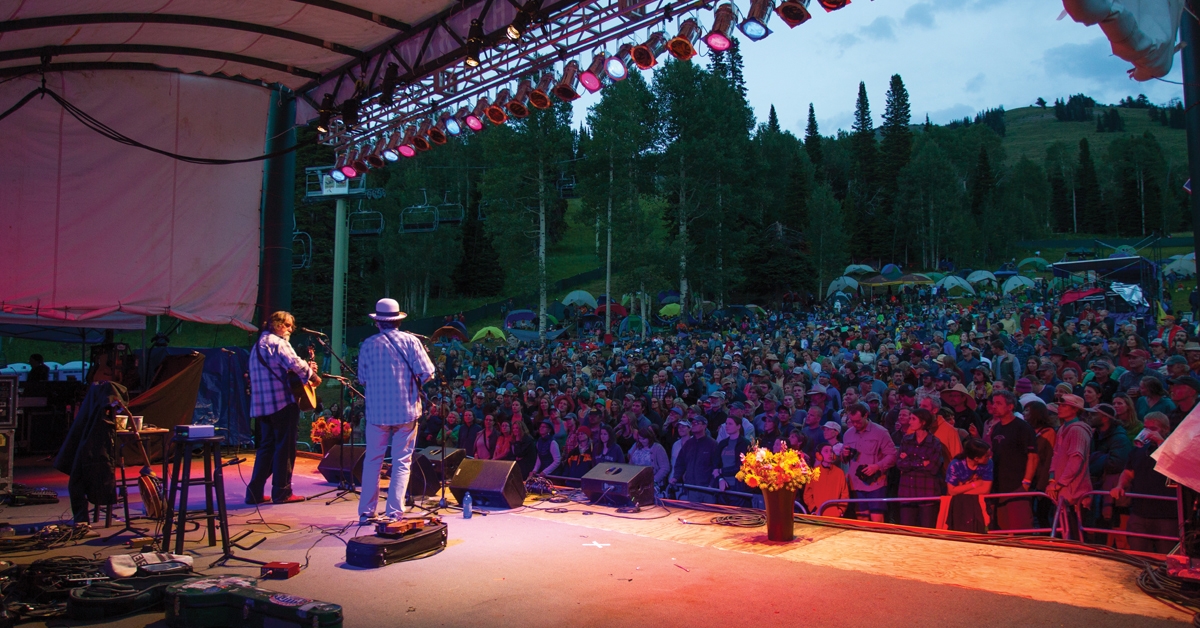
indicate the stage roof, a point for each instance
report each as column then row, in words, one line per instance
column 291, row 42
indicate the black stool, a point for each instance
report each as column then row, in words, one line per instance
column 214, row 490
column 213, row 482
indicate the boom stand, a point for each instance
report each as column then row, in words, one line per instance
column 346, row 482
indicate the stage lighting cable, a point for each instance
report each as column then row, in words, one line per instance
column 99, row 127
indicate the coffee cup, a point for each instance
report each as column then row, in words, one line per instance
column 122, row 422
column 137, row 423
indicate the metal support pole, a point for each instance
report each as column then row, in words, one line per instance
column 1189, row 35
column 341, row 257
column 278, row 202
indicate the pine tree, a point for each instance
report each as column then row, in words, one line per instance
column 863, row 148
column 773, row 121
column 478, row 273
column 895, row 152
column 812, row 139
column 1087, row 193
column 982, row 184
column 1060, row 203
column 736, row 78
column 719, row 65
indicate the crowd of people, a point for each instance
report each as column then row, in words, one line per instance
column 935, row 399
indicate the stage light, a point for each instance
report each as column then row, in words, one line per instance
column 683, row 45
column 520, row 23
column 348, row 169
column 833, row 5
column 389, row 148
column 516, row 106
column 565, row 90
column 475, row 120
column 496, row 113
column 421, row 139
column 718, row 39
column 540, row 96
column 474, row 43
column 324, row 113
column 388, row 89
column 437, row 133
column 375, row 156
column 754, row 27
column 350, row 112
column 617, row 66
column 593, row 78
column 358, row 159
column 451, row 123
column 646, row 55
column 336, row 173
column 793, row 12
column 406, row 148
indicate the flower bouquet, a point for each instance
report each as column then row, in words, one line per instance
column 779, row 476
column 329, row 432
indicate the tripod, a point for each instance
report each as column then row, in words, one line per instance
column 346, row 481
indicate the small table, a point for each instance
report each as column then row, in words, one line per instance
column 130, row 437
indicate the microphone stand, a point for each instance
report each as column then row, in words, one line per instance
column 346, row 483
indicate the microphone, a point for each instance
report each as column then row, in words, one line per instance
column 310, row 331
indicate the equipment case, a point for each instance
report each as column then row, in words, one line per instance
column 237, row 601
column 371, row 551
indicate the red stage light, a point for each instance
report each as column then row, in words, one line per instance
column 540, row 96
column 718, row 38
column 646, row 55
column 683, row 45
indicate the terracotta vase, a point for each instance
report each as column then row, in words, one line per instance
column 780, row 510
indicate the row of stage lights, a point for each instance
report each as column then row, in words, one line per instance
column 604, row 70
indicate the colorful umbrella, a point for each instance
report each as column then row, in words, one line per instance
column 617, row 310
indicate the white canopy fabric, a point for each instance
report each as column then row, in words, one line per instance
column 1015, row 282
column 90, row 226
column 952, row 282
column 288, row 42
column 981, row 275
column 1142, row 32
column 116, row 320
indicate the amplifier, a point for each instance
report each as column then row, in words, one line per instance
column 195, row 431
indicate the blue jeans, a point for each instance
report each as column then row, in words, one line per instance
column 402, row 439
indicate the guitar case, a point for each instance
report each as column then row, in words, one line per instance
column 124, row 596
column 372, row 551
column 213, row 602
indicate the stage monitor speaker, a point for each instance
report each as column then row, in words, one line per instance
column 619, row 484
column 454, row 457
column 423, row 477
column 331, row 466
column 493, row 483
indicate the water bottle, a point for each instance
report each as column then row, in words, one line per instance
column 466, row 504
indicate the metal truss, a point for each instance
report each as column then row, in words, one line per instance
column 567, row 30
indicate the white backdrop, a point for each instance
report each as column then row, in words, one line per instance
column 89, row 226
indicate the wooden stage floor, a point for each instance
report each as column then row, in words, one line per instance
column 537, row 568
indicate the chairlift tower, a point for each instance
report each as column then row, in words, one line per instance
column 320, row 186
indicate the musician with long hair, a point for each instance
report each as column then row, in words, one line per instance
column 274, row 409
column 392, row 366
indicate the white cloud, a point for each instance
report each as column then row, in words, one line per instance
column 920, row 14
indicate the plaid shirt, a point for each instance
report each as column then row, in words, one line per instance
column 921, row 466
column 392, row 397
column 269, row 391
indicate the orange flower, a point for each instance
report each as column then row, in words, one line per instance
column 752, row 482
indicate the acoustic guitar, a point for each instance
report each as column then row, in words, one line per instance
column 306, row 394
column 149, row 485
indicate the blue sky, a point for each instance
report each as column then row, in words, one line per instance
column 957, row 57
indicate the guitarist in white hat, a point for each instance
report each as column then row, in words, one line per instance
column 392, row 366
column 274, row 407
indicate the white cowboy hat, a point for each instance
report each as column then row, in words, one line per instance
column 387, row 310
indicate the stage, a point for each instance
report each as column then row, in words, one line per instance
column 537, row 568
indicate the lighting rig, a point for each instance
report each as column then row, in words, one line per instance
column 504, row 58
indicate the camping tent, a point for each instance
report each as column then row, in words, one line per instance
column 487, row 333
column 858, row 269
column 840, row 284
column 580, row 297
column 950, row 282
column 1015, row 282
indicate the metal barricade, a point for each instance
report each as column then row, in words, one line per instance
column 1157, row 537
column 1052, row 530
